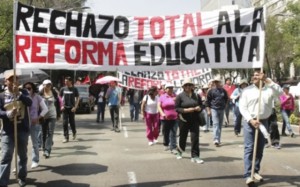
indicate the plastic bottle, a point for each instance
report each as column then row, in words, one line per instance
column 264, row 131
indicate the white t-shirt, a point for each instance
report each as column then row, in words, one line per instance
column 151, row 106
column 101, row 95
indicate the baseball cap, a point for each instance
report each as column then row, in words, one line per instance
column 168, row 85
column 47, row 81
column 8, row 74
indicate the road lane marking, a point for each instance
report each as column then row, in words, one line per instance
column 131, row 178
column 125, row 132
column 291, row 169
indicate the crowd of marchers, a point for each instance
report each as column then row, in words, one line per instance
column 30, row 111
column 173, row 114
column 169, row 112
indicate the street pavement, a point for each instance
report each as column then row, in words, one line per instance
column 100, row 157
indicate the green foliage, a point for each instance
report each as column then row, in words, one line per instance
column 291, row 28
column 6, row 22
column 295, row 117
column 283, row 41
column 6, row 19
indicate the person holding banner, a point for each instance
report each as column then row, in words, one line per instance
column 8, row 110
column 189, row 106
column 249, row 105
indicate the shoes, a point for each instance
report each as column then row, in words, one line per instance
column 249, row 181
column 283, row 134
column 167, row 148
column 117, row 130
column 46, row 154
column 236, row 133
column 174, row 151
column 34, row 165
column 258, row 177
column 150, row 143
column 292, row 135
column 155, row 141
column 14, row 171
column 277, row 146
column 179, row 155
column 74, row 136
column 113, row 129
column 65, row 140
column 217, row 144
column 97, row 121
column 21, row 182
column 197, row 160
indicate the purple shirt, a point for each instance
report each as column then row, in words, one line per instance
column 34, row 108
column 167, row 104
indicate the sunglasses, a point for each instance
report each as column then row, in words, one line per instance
column 29, row 88
column 189, row 85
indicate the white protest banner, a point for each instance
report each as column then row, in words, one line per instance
column 168, row 75
column 144, row 80
column 53, row 39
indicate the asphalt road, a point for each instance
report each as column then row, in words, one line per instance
column 100, row 157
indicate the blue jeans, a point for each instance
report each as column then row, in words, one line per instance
column 249, row 134
column 169, row 132
column 100, row 110
column 7, row 150
column 207, row 119
column 285, row 116
column 217, row 118
column 229, row 106
column 134, row 111
column 35, row 130
column 238, row 119
column 48, row 132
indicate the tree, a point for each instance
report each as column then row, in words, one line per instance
column 291, row 29
column 6, row 22
column 282, row 41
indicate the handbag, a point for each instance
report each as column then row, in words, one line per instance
column 201, row 119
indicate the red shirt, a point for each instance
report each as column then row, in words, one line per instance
column 229, row 89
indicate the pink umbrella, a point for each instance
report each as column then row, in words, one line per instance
column 106, row 79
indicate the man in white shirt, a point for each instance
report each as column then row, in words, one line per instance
column 249, row 104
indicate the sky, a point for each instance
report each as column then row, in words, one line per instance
column 143, row 7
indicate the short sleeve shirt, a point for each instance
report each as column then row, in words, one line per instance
column 68, row 95
column 167, row 104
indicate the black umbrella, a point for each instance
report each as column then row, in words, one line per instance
column 94, row 89
column 27, row 75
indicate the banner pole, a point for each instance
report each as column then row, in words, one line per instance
column 259, row 107
column 14, row 95
column 256, row 130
